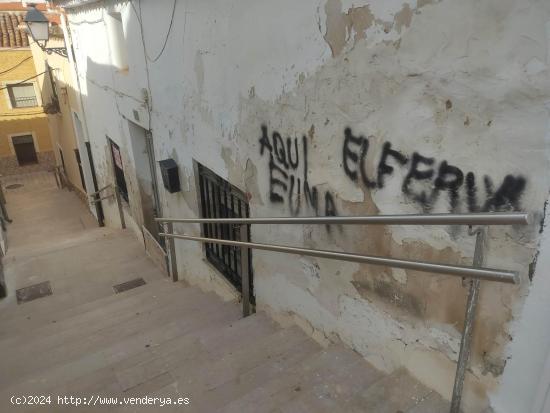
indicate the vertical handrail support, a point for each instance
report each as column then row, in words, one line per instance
column 119, row 205
column 471, row 306
column 171, row 249
column 245, row 279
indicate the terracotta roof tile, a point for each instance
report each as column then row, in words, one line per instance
column 10, row 34
column 17, row 6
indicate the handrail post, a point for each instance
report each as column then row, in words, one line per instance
column 119, row 205
column 471, row 306
column 57, row 183
column 245, row 276
column 171, row 249
column 3, row 205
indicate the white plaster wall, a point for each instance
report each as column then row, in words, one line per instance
column 109, row 98
column 462, row 81
column 526, row 380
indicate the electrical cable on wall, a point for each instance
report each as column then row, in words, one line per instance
column 140, row 21
column 23, row 81
column 16, row 66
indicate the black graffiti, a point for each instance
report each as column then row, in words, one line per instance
column 426, row 179
column 420, row 170
column 275, row 182
column 383, row 167
column 293, row 163
column 507, row 196
column 359, row 159
column 330, row 209
column 264, row 141
column 294, row 205
column 450, row 178
column 286, row 184
column 471, row 192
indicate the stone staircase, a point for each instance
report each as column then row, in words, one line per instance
column 162, row 339
column 172, row 340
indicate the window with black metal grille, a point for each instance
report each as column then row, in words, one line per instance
column 221, row 199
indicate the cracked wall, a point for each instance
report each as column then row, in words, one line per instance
column 375, row 107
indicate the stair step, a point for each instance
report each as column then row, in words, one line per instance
column 42, row 324
column 234, row 363
column 332, row 365
column 82, row 278
column 433, row 403
column 132, row 353
column 204, row 344
column 119, row 309
column 333, row 387
column 168, row 319
column 382, row 396
column 216, row 396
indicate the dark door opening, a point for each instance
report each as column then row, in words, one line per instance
column 62, row 159
column 24, row 150
column 119, row 170
column 98, row 206
column 220, row 199
column 79, row 162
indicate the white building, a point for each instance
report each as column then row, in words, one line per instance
column 333, row 107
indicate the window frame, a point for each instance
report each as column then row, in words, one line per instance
column 9, row 95
column 225, row 258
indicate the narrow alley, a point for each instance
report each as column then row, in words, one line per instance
column 161, row 339
column 275, row 206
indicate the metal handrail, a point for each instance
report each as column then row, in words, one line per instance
column 96, row 198
column 476, row 273
column 485, row 218
column 100, row 190
column 488, row 274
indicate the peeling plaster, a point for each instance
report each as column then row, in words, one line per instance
column 403, row 18
column 340, row 26
column 404, row 73
column 358, row 22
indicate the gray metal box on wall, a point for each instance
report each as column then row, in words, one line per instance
column 170, row 175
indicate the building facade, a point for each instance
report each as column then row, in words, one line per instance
column 60, row 89
column 25, row 143
column 332, row 108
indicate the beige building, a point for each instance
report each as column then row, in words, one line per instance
column 59, row 88
column 25, row 144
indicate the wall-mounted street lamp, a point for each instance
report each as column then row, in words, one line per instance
column 38, row 26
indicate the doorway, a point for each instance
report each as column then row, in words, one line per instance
column 120, row 179
column 144, row 161
column 62, row 159
column 25, row 151
column 79, row 162
column 98, row 206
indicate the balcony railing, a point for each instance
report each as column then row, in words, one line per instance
column 24, row 102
